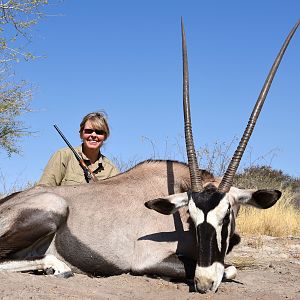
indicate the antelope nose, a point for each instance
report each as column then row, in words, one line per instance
column 202, row 285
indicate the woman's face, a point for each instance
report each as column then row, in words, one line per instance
column 92, row 138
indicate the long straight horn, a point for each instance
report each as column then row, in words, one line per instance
column 195, row 175
column 227, row 180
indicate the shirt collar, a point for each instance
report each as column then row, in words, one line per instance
column 79, row 150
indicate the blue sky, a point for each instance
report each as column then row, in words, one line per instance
column 124, row 57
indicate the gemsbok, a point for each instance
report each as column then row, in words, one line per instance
column 112, row 227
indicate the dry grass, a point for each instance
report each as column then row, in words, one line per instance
column 256, row 243
column 243, row 262
column 14, row 187
column 283, row 219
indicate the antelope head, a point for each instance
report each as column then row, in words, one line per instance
column 213, row 208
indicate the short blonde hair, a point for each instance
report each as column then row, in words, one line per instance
column 98, row 121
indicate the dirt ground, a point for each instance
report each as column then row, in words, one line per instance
column 268, row 268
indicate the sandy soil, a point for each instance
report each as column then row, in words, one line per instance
column 268, row 268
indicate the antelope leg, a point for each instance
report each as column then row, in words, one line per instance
column 40, row 263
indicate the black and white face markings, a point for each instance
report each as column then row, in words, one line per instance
column 211, row 213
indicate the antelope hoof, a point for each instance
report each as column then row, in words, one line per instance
column 49, row 271
column 230, row 273
column 55, row 267
column 64, row 275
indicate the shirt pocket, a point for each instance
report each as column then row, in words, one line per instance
column 73, row 176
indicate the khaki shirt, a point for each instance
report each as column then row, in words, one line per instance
column 63, row 168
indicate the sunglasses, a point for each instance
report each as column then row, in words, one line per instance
column 97, row 131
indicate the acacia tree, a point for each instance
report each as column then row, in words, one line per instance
column 16, row 21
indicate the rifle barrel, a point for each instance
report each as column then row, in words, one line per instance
column 67, row 142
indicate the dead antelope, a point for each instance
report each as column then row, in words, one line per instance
column 103, row 228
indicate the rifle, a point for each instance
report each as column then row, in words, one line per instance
column 88, row 174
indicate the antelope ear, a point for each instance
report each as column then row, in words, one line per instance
column 168, row 205
column 260, row 198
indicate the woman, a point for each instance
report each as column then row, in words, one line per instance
column 64, row 169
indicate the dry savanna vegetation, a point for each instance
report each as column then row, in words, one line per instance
column 283, row 219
